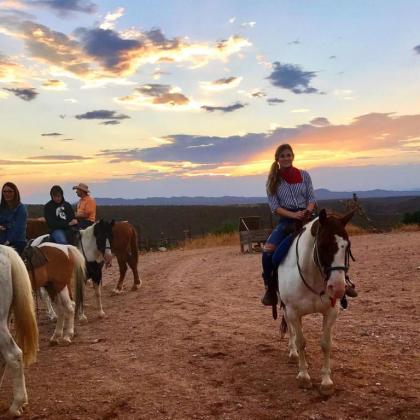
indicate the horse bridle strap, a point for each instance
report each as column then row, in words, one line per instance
column 300, row 269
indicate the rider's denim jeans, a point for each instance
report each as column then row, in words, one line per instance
column 59, row 236
column 282, row 238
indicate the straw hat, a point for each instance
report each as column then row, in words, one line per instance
column 82, row 187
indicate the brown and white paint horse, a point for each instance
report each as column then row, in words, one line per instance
column 94, row 246
column 64, row 277
column 311, row 279
column 16, row 298
column 124, row 245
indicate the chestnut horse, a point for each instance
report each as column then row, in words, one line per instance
column 16, row 297
column 62, row 275
column 124, row 245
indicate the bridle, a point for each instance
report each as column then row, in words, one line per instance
column 324, row 271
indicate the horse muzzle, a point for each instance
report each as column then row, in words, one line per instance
column 336, row 286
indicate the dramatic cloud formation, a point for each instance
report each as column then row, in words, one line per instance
column 98, row 53
column 292, row 77
column 221, row 84
column 229, row 108
column 101, row 114
column 275, row 101
column 51, row 134
column 27, row 94
column 156, row 95
column 65, row 7
column 368, row 135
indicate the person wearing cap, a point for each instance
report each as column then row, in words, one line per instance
column 86, row 207
column 59, row 216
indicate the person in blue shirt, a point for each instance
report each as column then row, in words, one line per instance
column 13, row 217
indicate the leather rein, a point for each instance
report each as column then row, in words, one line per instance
column 324, row 271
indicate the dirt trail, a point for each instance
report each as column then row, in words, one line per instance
column 195, row 343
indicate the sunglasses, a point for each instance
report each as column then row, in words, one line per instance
column 8, row 191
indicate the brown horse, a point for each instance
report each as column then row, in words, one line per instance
column 124, row 245
column 63, row 271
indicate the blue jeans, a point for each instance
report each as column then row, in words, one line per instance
column 59, row 236
column 282, row 238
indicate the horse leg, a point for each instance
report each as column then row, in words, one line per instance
column 132, row 262
column 46, row 298
column 11, row 355
column 97, row 288
column 122, row 264
column 58, row 332
column 295, row 321
column 68, row 314
column 327, row 386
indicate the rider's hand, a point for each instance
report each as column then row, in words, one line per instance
column 73, row 222
column 2, row 227
column 300, row 215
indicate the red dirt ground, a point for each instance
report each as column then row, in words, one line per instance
column 195, row 343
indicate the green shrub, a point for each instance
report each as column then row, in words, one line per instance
column 228, row 226
column 412, row 218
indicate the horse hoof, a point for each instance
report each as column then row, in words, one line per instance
column 293, row 357
column 83, row 319
column 15, row 413
column 135, row 287
column 102, row 314
column 66, row 341
column 326, row 389
column 304, row 382
column 116, row 292
column 53, row 342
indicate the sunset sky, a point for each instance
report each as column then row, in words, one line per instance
column 183, row 97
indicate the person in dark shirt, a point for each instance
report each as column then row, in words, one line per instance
column 13, row 218
column 59, row 215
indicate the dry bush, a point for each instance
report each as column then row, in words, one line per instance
column 212, row 240
column 406, row 228
column 354, row 230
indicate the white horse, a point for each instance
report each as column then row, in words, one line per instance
column 16, row 296
column 94, row 244
column 311, row 279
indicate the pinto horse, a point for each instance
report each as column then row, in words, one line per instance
column 310, row 280
column 16, row 297
column 62, row 275
column 94, row 246
column 124, row 245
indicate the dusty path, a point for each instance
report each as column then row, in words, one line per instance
column 194, row 342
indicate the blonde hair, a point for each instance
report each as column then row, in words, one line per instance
column 274, row 178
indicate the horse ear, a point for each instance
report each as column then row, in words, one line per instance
column 346, row 218
column 323, row 217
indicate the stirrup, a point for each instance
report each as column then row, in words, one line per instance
column 350, row 288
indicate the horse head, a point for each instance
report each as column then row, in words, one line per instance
column 103, row 233
column 332, row 250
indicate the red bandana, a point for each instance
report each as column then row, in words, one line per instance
column 291, row 175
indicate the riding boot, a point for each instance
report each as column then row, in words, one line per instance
column 270, row 296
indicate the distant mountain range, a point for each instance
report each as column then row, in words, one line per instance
column 321, row 194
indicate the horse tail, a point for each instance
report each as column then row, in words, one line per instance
column 79, row 276
column 134, row 244
column 23, row 308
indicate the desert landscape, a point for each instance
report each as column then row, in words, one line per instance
column 194, row 342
